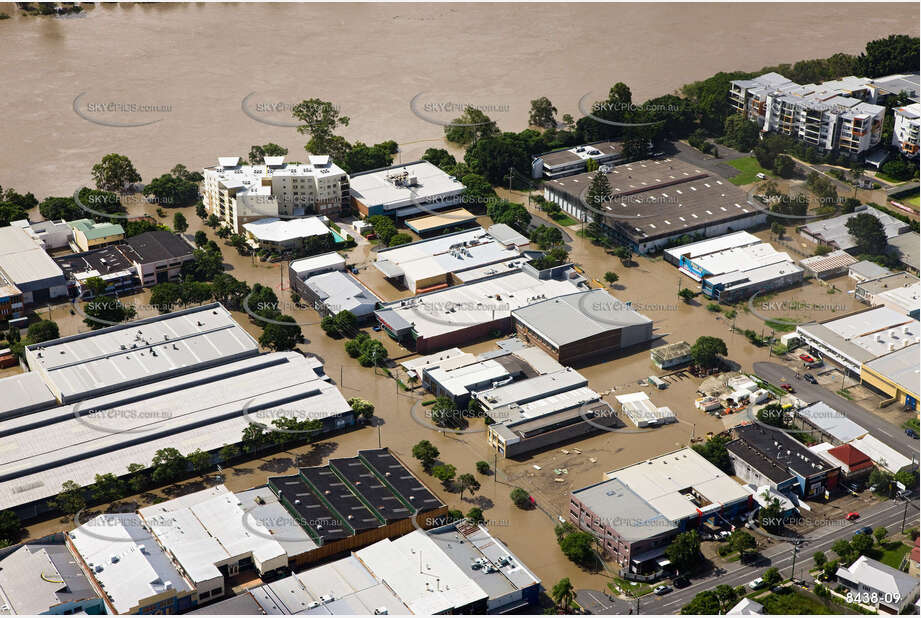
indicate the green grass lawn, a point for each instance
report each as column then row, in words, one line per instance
column 636, row 589
column 889, row 179
column 912, row 423
column 912, row 201
column 563, row 219
column 794, row 603
column 749, row 168
column 891, row 553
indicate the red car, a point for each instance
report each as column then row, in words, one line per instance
column 786, row 386
column 806, row 358
column 852, row 516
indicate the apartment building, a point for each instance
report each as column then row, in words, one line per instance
column 238, row 193
column 838, row 115
column 906, row 129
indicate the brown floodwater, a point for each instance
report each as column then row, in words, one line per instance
column 195, row 63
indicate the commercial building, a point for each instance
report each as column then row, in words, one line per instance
column 435, row 263
column 431, row 224
column 836, row 115
column 205, row 409
column 405, row 190
column 42, row 578
column 24, row 393
column 50, row 234
column 834, row 233
column 135, row 353
column 828, row 266
column 766, row 456
column 323, row 282
column 908, row 250
column 303, row 233
column 887, row 589
column 457, row 381
column 865, row 270
column 107, row 263
column 905, row 131
column 898, row 291
column 158, row 256
column 88, row 234
column 127, row 569
column 884, row 456
column 860, row 337
column 671, row 355
column 576, row 327
column 657, row 202
column 684, row 256
column 464, row 313
column 642, row 412
column 571, row 161
column 25, row 266
column 11, row 303
column 299, row 270
column 738, row 285
column 896, row 375
column 854, row 465
column 238, row 194
column 639, row 509
column 531, row 389
column 833, row 425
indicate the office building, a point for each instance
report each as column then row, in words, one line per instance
column 51, row 235
column 896, row 375
column 405, row 190
column 655, row 203
column 88, row 234
column 859, row 337
column 158, row 256
column 107, row 263
column 576, row 327
column 238, row 194
column 571, row 161
column 428, row 225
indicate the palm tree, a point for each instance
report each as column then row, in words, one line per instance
column 563, row 593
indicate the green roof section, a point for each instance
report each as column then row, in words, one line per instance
column 92, row 231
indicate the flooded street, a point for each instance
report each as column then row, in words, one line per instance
column 187, row 69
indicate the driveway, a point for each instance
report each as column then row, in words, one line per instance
column 597, row 602
column 810, row 393
column 691, row 155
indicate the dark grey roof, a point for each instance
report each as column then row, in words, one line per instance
column 105, row 260
column 159, row 245
column 241, row 605
column 783, row 450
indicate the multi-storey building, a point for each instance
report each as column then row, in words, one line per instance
column 906, row 129
column 238, row 194
column 838, row 115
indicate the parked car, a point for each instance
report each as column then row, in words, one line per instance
column 911, row 433
column 662, row 589
column 806, row 358
column 813, row 365
column 681, row 582
column 864, row 530
column 810, row 378
column 853, row 515
column 787, row 387
column 756, row 583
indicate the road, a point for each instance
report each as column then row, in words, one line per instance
column 810, row 393
column 888, row 514
column 598, row 603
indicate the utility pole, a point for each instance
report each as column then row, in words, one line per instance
column 904, row 515
column 793, row 566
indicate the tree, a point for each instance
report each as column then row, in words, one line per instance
column 868, row 232
column 257, row 154
column 281, row 337
column 598, row 196
column 440, row 158
column 54, row 208
column 10, row 528
column 320, row 120
column 41, row 331
column 563, row 593
column 228, row 291
column 706, row 351
column 897, row 53
column 172, row 191
column 141, row 226
column 546, row 236
column 819, row 559
column 482, row 467
column 611, row 277
column 705, row 603
column 686, row 294
column 843, row 549
column 684, row 551
column 400, row 238
column 493, row 157
column 205, row 265
column 880, row 534
column 475, row 515
column 228, row 452
column 107, row 488
column 862, row 544
column 577, row 546
column 743, row 542
column 520, row 498
column 70, row 500
column 103, row 311
column 138, row 480
column 444, row 473
column 467, row 482
column 201, row 239
column 114, row 173
column 714, row 451
column 165, row 296
column 212, row 221
column 168, row 465
column 771, row 517
column 551, row 259
column 361, row 157
column 478, row 191
column 740, row 133
column 199, row 460
column 470, row 126
column 254, row 437
column 623, row 253
column 179, row 222
column 181, row 171
column 509, row 213
column 898, row 169
column 543, row 113
column 771, row 577
column 784, row 166
column 426, row 453
column 362, row 407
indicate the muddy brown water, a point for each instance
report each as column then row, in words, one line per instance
column 195, row 63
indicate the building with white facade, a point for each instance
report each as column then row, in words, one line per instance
column 905, row 131
column 238, row 193
column 833, row 232
column 879, row 585
column 25, row 265
column 276, row 234
column 405, row 190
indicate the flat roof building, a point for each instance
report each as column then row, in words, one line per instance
column 865, row 270
column 834, row 233
column 158, row 256
column 896, row 374
column 897, row 291
column 830, row 265
column 275, row 234
column 860, row 337
column 642, row 412
column 24, row 393
column 531, row 389
column 405, row 190
column 655, row 202
column 908, row 247
column 335, row 291
column 44, row 578
column 25, row 265
column 570, row 161
column 140, row 352
column 830, row 423
column 576, row 327
column 429, row 224
column 109, row 263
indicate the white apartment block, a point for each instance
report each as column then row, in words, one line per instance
column 837, row 115
column 906, row 128
column 238, row 193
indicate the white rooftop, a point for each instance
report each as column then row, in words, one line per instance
column 831, row 422
column 868, row 334
column 318, row 262
column 665, row 480
column 415, row 366
column 273, row 229
column 740, row 258
column 125, row 560
column 23, row 259
column 877, row 576
column 339, row 291
column 880, row 453
column 712, row 245
column 457, row 381
column 642, row 411
column 835, row 230
column 22, row 393
column 142, row 351
column 433, row 186
column 531, row 389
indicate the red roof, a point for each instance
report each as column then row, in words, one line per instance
column 851, row 457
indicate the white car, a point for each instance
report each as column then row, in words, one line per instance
column 756, row 583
